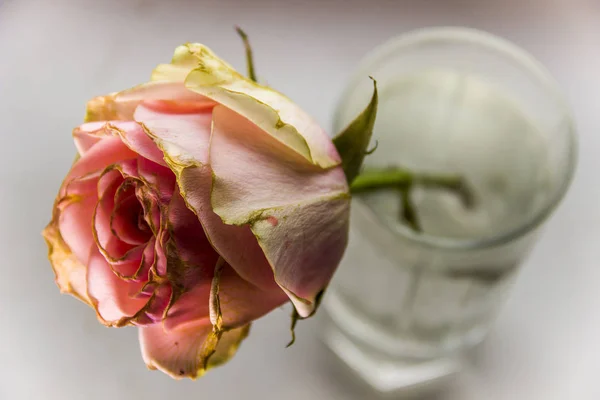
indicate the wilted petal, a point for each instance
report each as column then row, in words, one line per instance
column 160, row 180
column 179, row 352
column 297, row 211
column 191, row 258
column 133, row 135
column 107, row 151
column 74, row 223
column 185, row 144
column 304, row 244
column 274, row 113
column 111, row 295
column 87, row 135
column 241, row 302
column 183, row 141
column 70, row 272
column 113, row 248
column 125, row 217
column 183, row 61
column 121, row 106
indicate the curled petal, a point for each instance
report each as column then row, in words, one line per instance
column 160, row 180
column 185, row 145
column 182, row 352
column 191, row 258
column 70, row 272
column 274, row 113
column 240, row 301
column 113, row 248
column 87, row 135
column 133, row 135
column 121, row 106
column 73, row 218
column 182, row 63
column 106, row 152
column 297, row 211
column 125, row 219
column 112, row 296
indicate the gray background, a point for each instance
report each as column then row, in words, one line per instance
column 54, row 55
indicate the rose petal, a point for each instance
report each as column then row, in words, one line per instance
column 107, row 151
column 110, row 294
column 133, row 135
column 182, row 63
column 274, row 113
column 70, row 272
column 179, row 352
column 121, row 106
column 113, row 248
column 159, row 179
column 297, row 211
column 74, row 221
column 185, row 144
column 87, row 135
column 125, row 217
column 191, row 257
column 241, row 302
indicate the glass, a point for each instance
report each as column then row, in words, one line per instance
column 452, row 101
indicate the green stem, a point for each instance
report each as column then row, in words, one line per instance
column 405, row 181
column 249, row 57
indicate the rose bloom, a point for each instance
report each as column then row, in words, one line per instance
column 198, row 202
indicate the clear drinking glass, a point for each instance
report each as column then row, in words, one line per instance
column 452, row 101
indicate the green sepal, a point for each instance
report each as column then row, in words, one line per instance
column 352, row 142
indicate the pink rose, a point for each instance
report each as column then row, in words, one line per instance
column 198, row 202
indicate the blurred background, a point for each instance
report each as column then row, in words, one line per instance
column 57, row 54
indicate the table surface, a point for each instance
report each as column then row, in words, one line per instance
column 57, row 54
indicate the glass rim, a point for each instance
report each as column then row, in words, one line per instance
column 513, row 53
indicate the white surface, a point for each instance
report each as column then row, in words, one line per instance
column 54, row 55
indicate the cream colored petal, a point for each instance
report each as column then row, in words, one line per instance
column 271, row 111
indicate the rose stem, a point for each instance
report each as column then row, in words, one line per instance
column 404, row 181
column 249, row 57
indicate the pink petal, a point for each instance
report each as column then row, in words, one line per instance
column 255, row 172
column 168, row 97
column 160, row 179
column 183, row 139
column 68, row 250
column 192, row 257
column 87, row 135
column 74, row 225
column 121, row 106
column 178, row 352
column 185, row 143
column 297, row 211
column 125, row 217
column 241, row 302
column 69, row 271
column 112, row 247
column 110, row 294
column 153, row 312
column 133, row 135
column 106, row 152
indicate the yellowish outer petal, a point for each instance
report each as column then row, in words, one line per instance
column 278, row 116
column 69, row 271
column 182, row 63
